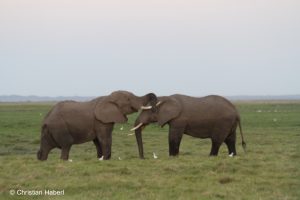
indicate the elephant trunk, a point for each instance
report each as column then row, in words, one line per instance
column 39, row 154
column 138, row 102
column 47, row 143
column 149, row 99
column 139, row 140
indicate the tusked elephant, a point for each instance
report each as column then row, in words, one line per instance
column 211, row 117
column 70, row 122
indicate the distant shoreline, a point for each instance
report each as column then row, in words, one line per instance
column 43, row 99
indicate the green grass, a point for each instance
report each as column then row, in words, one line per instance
column 269, row 170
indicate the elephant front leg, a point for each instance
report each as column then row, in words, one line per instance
column 98, row 147
column 175, row 136
column 106, row 148
column 104, row 136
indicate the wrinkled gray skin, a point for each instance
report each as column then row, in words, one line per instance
column 211, row 117
column 71, row 122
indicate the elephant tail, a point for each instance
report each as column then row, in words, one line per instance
column 243, row 141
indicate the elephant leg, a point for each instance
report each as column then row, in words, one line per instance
column 104, row 136
column 105, row 144
column 65, row 152
column 220, row 132
column 98, row 147
column 61, row 137
column 230, row 142
column 175, row 136
column 215, row 148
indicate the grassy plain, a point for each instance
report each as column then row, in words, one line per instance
column 269, row 170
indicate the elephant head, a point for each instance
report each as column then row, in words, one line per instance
column 114, row 107
column 162, row 112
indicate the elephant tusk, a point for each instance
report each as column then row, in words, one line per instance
column 146, row 107
column 138, row 126
column 158, row 103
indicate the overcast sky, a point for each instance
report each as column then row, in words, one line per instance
column 200, row 47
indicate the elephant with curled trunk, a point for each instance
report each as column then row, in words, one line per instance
column 211, row 117
column 71, row 122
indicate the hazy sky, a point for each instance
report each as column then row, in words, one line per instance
column 200, row 47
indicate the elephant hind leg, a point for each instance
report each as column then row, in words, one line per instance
column 65, row 152
column 220, row 133
column 98, row 147
column 215, row 148
column 230, row 142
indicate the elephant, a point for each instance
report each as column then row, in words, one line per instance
column 70, row 122
column 211, row 117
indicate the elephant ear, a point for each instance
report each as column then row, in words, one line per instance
column 108, row 112
column 168, row 110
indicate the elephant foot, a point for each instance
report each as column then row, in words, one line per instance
column 232, row 154
column 103, row 158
